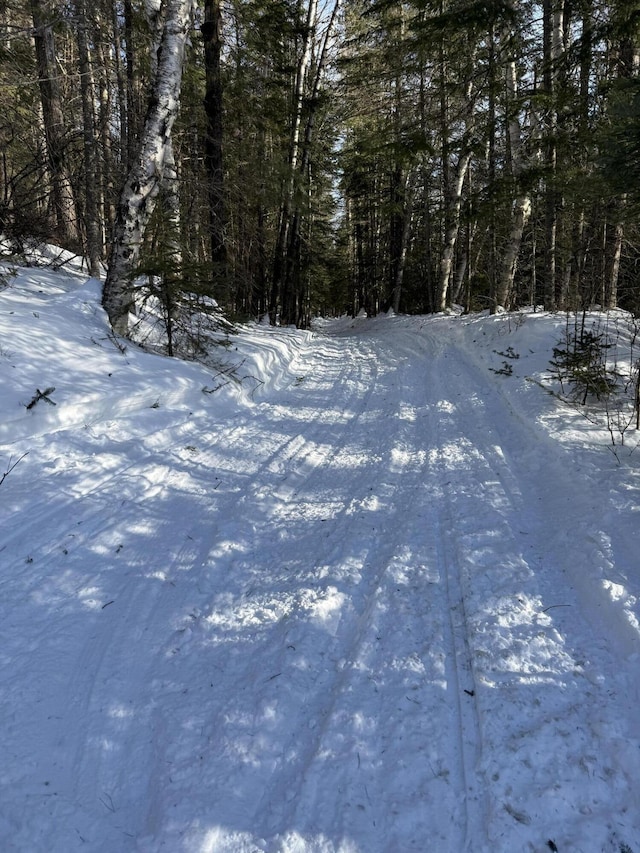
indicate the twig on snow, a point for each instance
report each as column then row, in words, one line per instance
column 11, row 467
column 108, row 805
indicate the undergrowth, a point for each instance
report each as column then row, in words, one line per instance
column 598, row 366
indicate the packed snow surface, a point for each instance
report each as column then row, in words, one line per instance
column 368, row 591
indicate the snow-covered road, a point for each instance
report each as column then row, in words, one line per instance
column 375, row 607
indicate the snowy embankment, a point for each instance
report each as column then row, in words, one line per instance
column 373, row 591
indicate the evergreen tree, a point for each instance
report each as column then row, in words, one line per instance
column 457, row 153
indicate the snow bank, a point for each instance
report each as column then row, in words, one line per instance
column 368, row 588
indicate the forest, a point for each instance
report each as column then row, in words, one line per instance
column 357, row 571
column 295, row 158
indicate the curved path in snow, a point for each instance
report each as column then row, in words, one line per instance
column 349, row 618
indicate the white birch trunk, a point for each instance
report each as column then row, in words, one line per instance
column 522, row 203
column 294, row 157
column 303, row 69
column 404, row 242
column 141, row 188
column 446, row 263
column 613, row 254
column 454, row 191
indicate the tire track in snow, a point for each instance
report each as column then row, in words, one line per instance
column 107, row 646
column 312, row 476
column 355, row 639
column 466, row 733
column 360, row 646
column 468, row 803
column 296, row 468
column 460, row 669
column 521, row 453
column 513, row 577
column 100, row 477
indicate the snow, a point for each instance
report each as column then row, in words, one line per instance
column 366, row 594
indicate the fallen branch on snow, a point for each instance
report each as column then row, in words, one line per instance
column 11, row 467
column 42, row 395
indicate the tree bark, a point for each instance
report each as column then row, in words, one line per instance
column 613, row 254
column 280, row 253
column 401, row 261
column 91, row 219
column 64, row 209
column 139, row 196
column 522, row 203
column 553, row 45
column 452, row 181
column 213, row 153
column 292, row 296
column 451, row 236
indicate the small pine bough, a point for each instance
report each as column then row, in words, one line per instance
column 507, row 368
column 42, row 395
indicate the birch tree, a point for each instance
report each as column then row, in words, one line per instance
column 143, row 183
column 522, row 204
column 286, row 212
column 292, row 290
column 453, row 182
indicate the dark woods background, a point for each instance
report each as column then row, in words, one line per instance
column 328, row 157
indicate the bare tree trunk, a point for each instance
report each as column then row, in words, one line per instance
column 106, row 168
column 465, row 266
column 407, row 218
column 614, row 236
column 280, row 259
column 451, row 236
column 139, row 196
column 292, row 299
column 213, row 156
column 128, row 105
column 579, row 238
column 171, row 277
column 491, row 264
column 91, row 218
column 522, row 202
column 553, row 41
column 452, row 184
column 628, row 63
column 42, row 12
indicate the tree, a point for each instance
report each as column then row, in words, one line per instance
column 281, row 284
column 517, row 165
column 212, row 37
column 138, row 198
column 44, row 13
column 91, row 217
column 460, row 151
